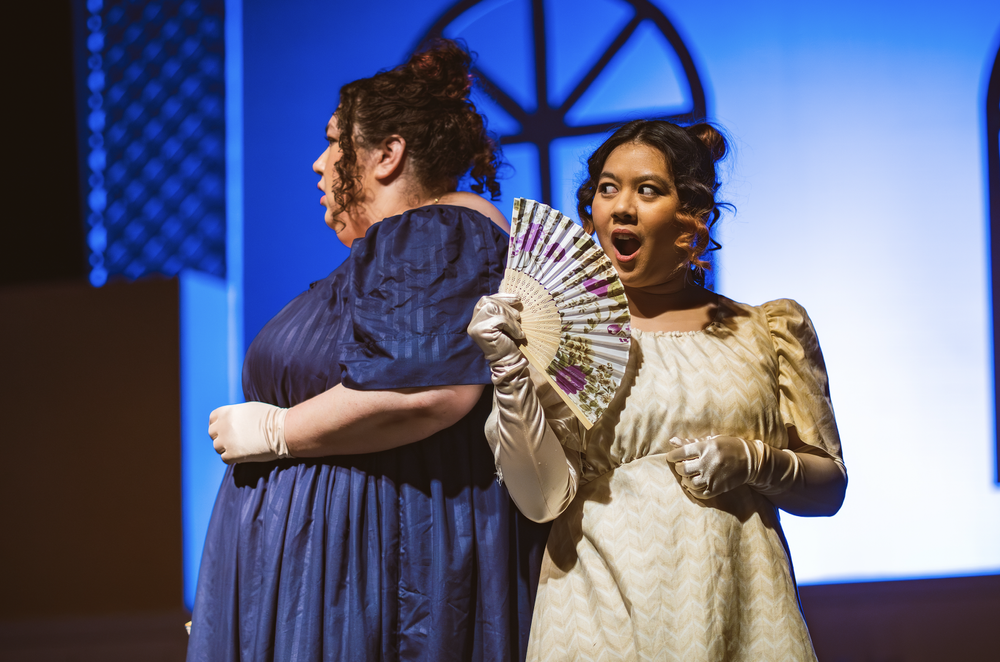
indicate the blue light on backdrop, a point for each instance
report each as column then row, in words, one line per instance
column 858, row 167
column 857, row 135
column 205, row 385
column 860, row 185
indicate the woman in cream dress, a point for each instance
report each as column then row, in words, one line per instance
column 666, row 542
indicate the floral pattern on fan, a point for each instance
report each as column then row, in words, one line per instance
column 575, row 317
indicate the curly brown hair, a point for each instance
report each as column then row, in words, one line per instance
column 426, row 101
column 691, row 153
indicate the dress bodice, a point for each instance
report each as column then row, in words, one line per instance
column 688, row 384
column 392, row 315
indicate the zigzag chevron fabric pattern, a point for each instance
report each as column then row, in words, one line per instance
column 636, row 569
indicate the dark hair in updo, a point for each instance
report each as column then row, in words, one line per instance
column 691, row 153
column 426, row 101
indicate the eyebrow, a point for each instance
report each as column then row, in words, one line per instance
column 654, row 177
column 646, row 176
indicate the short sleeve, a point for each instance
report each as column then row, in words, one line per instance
column 414, row 283
column 804, row 390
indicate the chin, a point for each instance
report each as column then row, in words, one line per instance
column 627, row 272
column 628, row 279
column 632, row 284
column 333, row 223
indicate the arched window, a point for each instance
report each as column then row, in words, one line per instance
column 561, row 73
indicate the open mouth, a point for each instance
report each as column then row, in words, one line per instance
column 626, row 245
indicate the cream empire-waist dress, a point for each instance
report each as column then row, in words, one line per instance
column 637, row 569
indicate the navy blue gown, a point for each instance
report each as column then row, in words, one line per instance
column 414, row 553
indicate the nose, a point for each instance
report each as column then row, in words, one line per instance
column 319, row 165
column 624, row 208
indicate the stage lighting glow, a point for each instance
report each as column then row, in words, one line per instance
column 858, row 175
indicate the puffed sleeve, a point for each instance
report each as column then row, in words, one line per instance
column 804, row 391
column 415, row 279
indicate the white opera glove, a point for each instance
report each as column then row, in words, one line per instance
column 495, row 325
column 249, row 432
column 530, row 459
column 713, row 465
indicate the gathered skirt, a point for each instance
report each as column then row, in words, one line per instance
column 415, row 553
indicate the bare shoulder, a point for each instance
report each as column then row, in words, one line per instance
column 480, row 204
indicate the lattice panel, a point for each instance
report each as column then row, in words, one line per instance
column 157, row 138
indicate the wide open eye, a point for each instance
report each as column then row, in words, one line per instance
column 607, row 188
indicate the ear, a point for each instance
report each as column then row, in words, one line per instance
column 390, row 153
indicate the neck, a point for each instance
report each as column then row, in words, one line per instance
column 398, row 202
column 674, row 285
column 677, row 293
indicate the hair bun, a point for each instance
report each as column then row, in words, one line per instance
column 711, row 137
column 444, row 68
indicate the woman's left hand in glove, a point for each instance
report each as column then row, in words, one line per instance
column 711, row 465
column 249, row 432
column 804, row 481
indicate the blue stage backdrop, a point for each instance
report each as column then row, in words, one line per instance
column 859, row 175
column 859, row 178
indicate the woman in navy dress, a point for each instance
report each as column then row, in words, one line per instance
column 360, row 518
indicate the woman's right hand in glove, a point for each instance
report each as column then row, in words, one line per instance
column 495, row 326
column 531, row 461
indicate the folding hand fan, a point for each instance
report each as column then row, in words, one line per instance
column 575, row 317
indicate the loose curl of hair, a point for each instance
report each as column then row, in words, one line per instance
column 691, row 153
column 426, row 101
